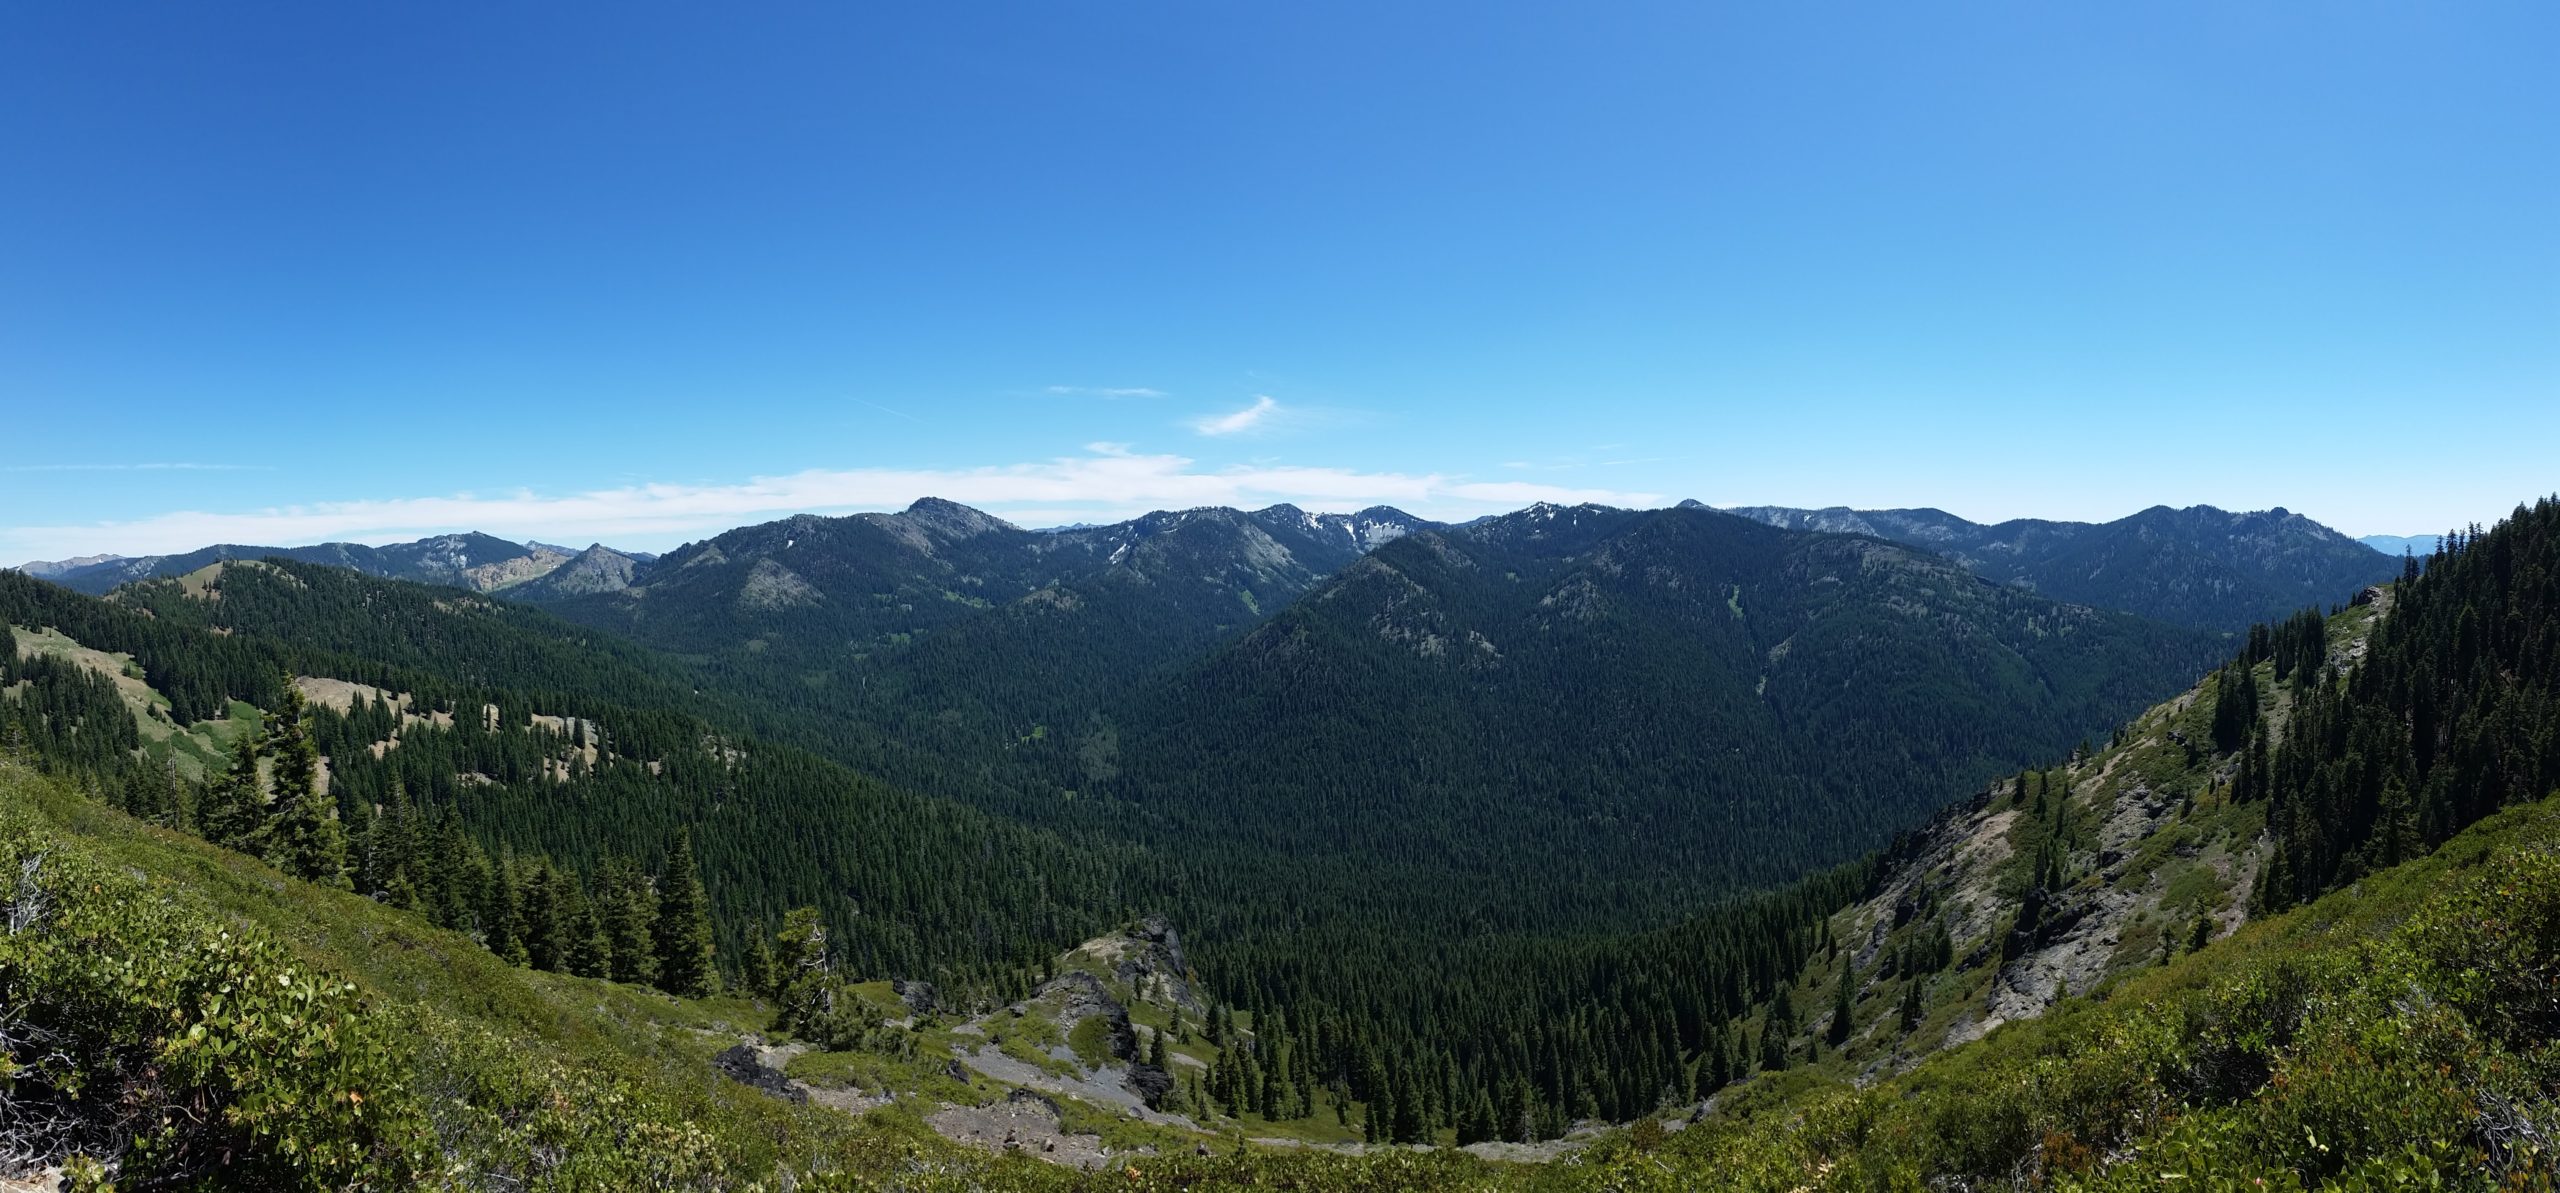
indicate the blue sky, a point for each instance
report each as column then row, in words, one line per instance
column 641, row 272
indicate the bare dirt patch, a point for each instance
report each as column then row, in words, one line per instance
column 1024, row 1122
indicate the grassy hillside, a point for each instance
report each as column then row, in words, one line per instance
column 179, row 1016
column 2394, row 1035
column 241, row 1028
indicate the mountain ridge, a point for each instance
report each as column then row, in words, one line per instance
column 480, row 562
column 1655, row 681
column 2198, row 566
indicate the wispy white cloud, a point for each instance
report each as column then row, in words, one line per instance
column 885, row 410
column 1103, row 391
column 1109, row 481
column 1238, row 422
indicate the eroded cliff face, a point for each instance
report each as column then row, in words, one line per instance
column 2054, row 881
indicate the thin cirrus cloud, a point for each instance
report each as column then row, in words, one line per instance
column 1103, row 391
column 1107, row 482
column 1256, row 417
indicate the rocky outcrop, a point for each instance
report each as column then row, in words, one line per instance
column 1150, row 1083
column 743, row 1064
column 771, row 587
column 597, row 569
column 1151, row 962
column 1080, row 996
column 920, row 997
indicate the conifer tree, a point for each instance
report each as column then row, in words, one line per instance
column 498, row 913
column 755, row 968
column 451, row 876
column 234, row 807
column 683, row 934
column 538, row 917
column 1715, row 1063
column 1910, row 1010
column 1478, row 1125
column 1253, row 1092
column 1842, row 1006
column 390, row 853
column 152, row 795
column 303, row 837
column 1521, row 1124
column 628, row 911
column 1409, row 1122
column 590, row 955
column 801, row 973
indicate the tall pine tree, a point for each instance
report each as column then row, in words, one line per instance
column 627, row 910
column 683, row 934
column 234, row 806
column 303, row 837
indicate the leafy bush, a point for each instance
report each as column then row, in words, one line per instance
column 142, row 1035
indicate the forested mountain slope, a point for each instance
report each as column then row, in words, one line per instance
column 2199, row 566
column 1579, row 717
column 529, row 811
column 475, row 561
column 1376, row 964
column 2372, row 1039
column 2382, row 1036
column 825, row 591
column 935, row 638
column 530, row 737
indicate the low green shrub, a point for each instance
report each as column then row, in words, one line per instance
column 168, row 1050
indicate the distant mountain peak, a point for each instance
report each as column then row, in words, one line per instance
column 49, row 568
column 468, row 559
column 954, row 519
column 2199, row 566
column 2400, row 544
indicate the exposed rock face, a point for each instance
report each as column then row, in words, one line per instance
column 1082, row 996
column 932, row 520
column 771, row 586
column 1154, row 966
column 920, row 997
column 599, row 568
column 1150, row 1083
column 489, row 577
column 743, row 1064
column 2148, row 865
